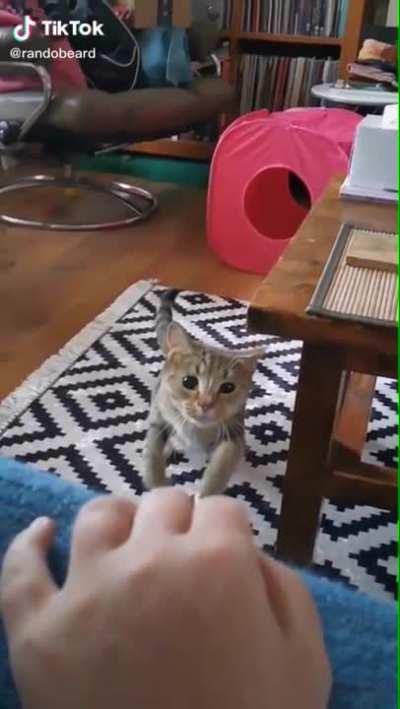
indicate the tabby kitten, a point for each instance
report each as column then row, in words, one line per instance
column 198, row 404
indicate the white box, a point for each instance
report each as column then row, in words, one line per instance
column 374, row 157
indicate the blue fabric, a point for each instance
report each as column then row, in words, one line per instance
column 360, row 632
column 165, row 58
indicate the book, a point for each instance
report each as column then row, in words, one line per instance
column 371, row 74
column 315, row 18
column 289, row 85
column 279, row 70
column 306, row 17
column 308, row 11
column 344, row 7
column 329, row 18
column 286, row 14
column 285, row 74
column 322, row 17
column 301, row 10
column 281, row 82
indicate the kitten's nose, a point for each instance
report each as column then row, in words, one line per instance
column 206, row 403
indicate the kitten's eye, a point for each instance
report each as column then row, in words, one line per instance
column 227, row 388
column 190, row 382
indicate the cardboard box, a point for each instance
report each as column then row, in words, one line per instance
column 163, row 13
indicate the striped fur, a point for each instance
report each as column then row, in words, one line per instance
column 164, row 316
column 204, row 418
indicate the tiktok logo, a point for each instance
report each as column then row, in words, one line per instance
column 56, row 28
column 22, row 32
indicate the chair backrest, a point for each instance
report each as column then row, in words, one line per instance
column 18, row 105
column 21, row 110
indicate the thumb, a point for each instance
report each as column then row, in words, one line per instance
column 25, row 581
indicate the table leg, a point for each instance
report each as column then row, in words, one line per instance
column 314, row 416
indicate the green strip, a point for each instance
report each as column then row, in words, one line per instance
column 183, row 172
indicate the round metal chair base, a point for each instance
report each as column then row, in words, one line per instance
column 139, row 203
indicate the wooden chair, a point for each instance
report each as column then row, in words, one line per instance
column 353, row 481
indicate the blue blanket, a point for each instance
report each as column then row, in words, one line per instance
column 360, row 632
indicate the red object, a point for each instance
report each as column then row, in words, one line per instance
column 268, row 168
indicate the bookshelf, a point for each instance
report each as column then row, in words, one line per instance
column 342, row 49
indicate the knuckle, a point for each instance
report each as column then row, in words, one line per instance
column 232, row 509
column 167, row 494
column 103, row 508
column 86, row 608
column 228, row 508
column 7, row 597
column 221, row 551
column 99, row 505
column 28, row 642
column 18, row 590
column 147, row 566
column 13, row 578
column 31, row 646
column 15, row 589
column 15, row 555
column 139, row 578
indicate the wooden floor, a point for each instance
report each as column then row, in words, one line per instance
column 52, row 284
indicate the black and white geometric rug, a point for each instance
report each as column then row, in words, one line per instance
column 83, row 416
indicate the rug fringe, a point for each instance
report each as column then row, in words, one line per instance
column 37, row 383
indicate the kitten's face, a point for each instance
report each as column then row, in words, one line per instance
column 207, row 387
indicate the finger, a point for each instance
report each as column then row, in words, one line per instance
column 102, row 525
column 163, row 510
column 291, row 602
column 296, row 613
column 26, row 584
column 276, row 592
column 220, row 514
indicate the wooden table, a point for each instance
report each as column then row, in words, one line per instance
column 318, row 466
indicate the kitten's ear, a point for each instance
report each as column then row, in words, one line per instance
column 177, row 339
column 249, row 361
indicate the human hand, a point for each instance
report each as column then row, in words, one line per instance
column 166, row 606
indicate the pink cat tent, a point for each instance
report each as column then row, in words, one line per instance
column 252, row 212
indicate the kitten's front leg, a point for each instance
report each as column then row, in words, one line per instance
column 154, row 455
column 220, row 468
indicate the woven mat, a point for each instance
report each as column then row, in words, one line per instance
column 83, row 416
column 346, row 292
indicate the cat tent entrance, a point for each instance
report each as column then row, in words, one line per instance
column 267, row 171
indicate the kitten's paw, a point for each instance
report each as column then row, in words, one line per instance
column 153, row 479
column 209, row 492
